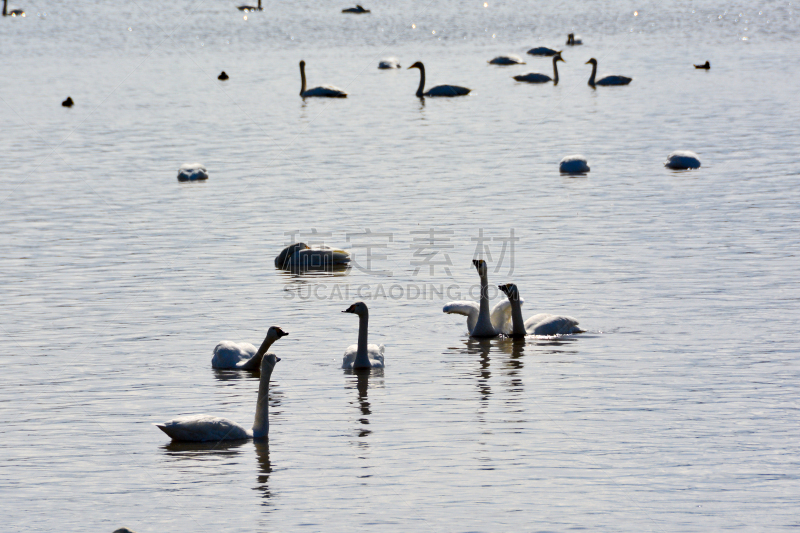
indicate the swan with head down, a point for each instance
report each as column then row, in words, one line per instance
column 541, row 324
column 244, row 356
column 362, row 355
column 300, row 256
column 480, row 321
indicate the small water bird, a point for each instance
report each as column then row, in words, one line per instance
column 244, row 356
column 358, row 10
column 542, row 51
column 439, row 90
column 682, row 160
column 507, row 60
column 608, row 80
column 481, row 322
column 223, row 76
column 573, row 41
column 192, row 172
column 541, row 324
column 536, row 77
column 324, row 91
column 573, row 164
column 248, row 9
column 388, row 63
column 13, row 12
column 704, row 66
column 362, row 355
column 68, row 102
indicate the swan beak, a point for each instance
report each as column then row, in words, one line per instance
column 277, row 359
column 587, row 62
column 350, row 309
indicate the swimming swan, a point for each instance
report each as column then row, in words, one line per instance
column 704, row 66
column 507, row 60
column 682, row 160
column 327, row 91
column 608, row 80
column 248, row 9
column 541, row 324
column 203, row 428
column 439, row 90
column 13, row 12
column 300, row 256
column 573, row 41
column 535, row 77
column 68, row 102
column 574, row 164
column 192, row 172
column 542, row 51
column 388, row 63
column 362, row 355
column 358, row 10
column 243, row 356
column 480, row 322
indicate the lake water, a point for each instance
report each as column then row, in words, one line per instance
column 677, row 410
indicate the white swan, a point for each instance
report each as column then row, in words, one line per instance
column 573, row 164
column 244, row 356
column 542, row 51
column 573, row 41
column 248, row 9
column 608, row 80
column 439, row 90
column 192, row 172
column 362, row 355
column 535, row 77
column 326, row 91
column 541, row 324
column 357, row 10
column 507, row 60
column 388, row 63
column 300, row 256
column 682, row 160
column 13, row 12
column 480, row 322
column 203, row 428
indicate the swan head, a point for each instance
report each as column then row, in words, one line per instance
column 558, row 57
column 418, row 65
column 510, row 290
column 276, row 333
column 286, row 254
column 480, row 266
column 269, row 362
column 302, row 64
column 358, row 308
column 570, row 38
column 592, row 61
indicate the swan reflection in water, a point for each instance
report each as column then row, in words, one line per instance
column 264, row 468
column 361, row 384
column 481, row 347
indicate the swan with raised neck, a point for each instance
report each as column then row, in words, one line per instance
column 230, row 355
column 484, row 326
column 539, row 324
column 362, row 355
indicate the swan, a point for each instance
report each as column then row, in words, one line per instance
column 480, row 322
column 202, row 428
column 507, row 60
column 124, row 530
column 573, row 41
column 13, row 12
column 439, row 90
column 300, row 255
column 388, row 63
column 541, row 324
column 608, row 80
column 682, row 160
column 222, row 76
column 358, row 9
column 192, row 172
column 362, row 355
column 704, row 66
column 542, row 51
column 68, row 102
column 243, row 356
column 535, row 77
column 573, row 164
column 248, row 9
column 327, row 91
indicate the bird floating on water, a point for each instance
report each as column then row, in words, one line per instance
column 68, row 102
column 574, row 164
column 362, row 355
column 542, row 51
column 300, row 256
column 223, row 76
column 704, row 66
column 324, row 91
column 248, row 9
column 192, row 172
column 507, row 60
column 536, row 77
column 13, row 12
column 539, row 324
column 480, row 321
column 358, row 10
column 608, row 80
column 573, row 41
column 244, row 356
column 439, row 90
column 682, row 160
column 388, row 63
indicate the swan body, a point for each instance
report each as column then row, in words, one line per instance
column 573, row 164
column 300, row 255
column 439, row 90
column 68, row 102
column 248, row 9
column 244, row 356
column 536, row 77
column 204, row 428
column 388, row 63
column 608, row 80
column 192, row 172
column 682, row 160
column 541, row 324
column 704, row 66
column 362, row 355
column 13, row 12
column 223, row 76
column 542, row 51
column 573, row 41
column 507, row 60
column 358, row 10
column 481, row 322
column 324, row 91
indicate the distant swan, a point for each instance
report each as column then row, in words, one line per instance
column 300, row 255
column 541, row 324
column 507, row 60
column 327, row 91
column 608, row 80
column 192, row 172
column 223, row 76
column 535, row 77
column 573, row 164
column 682, row 160
column 358, row 9
column 202, row 428
column 704, row 66
column 439, row 90
column 13, row 12
column 542, row 51
column 247, row 9
column 388, row 63
column 573, row 41
column 362, row 355
column 243, row 356
column 480, row 322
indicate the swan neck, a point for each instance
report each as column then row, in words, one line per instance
column 484, row 312
column 259, row 5
column 555, row 70
column 254, row 362
column 261, row 422
column 517, row 323
column 362, row 357
column 5, row 13
column 594, row 72
column 421, row 87
column 302, row 79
